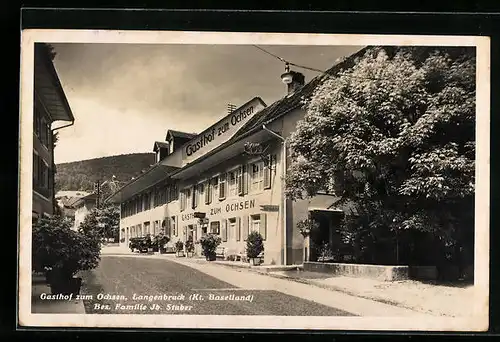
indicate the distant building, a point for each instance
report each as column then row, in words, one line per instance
column 50, row 105
column 82, row 207
column 66, row 199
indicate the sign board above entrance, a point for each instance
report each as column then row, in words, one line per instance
column 221, row 132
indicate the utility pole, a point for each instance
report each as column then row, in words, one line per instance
column 97, row 190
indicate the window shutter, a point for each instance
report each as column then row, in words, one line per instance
column 263, row 226
column 208, row 193
column 174, row 223
column 195, row 232
column 245, row 228
column 267, row 172
column 222, row 186
column 182, row 200
column 193, row 197
column 245, row 179
column 238, row 229
column 241, row 189
column 224, row 230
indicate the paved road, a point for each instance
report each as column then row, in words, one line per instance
column 135, row 285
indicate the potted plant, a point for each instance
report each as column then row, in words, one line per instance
column 62, row 253
column 190, row 247
column 255, row 246
column 209, row 244
column 306, row 225
column 160, row 241
column 179, row 247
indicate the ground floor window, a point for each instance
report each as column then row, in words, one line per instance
column 232, row 234
column 215, row 227
column 258, row 224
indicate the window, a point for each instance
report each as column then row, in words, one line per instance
column 268, row 171
column 208, row 192
column 258, row 224
column 201, row 193
column 147, row 228
column 147, row 201
column 222, row 186
column 256, row 176
column 215, row 227
column 255, row 223
column 232, row 183
column 185, row 198
column 194, row 197
column 41, row 176
column 243, row 179
column 232, row 233
column 215, row 189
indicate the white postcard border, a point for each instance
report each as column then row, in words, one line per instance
column 478, row 321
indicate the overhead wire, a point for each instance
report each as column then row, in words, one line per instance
column 322, row 72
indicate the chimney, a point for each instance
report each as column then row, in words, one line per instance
column 293, row 79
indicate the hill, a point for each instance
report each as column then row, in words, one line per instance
column 81, row 175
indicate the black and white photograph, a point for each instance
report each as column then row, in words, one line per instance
column 254, row 180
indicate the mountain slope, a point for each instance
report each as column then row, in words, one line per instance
column 81, row 175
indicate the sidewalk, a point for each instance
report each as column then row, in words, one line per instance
column 39, row 305
column 247, row 277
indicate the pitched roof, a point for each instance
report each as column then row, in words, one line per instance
column 295, row 100
column 160, row 144
column 179, row 134
column 48, row 87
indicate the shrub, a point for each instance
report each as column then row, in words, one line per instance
column 255, row 245
column 209, row 244
column 160, row 240
column 55, row 246
column 179, row 246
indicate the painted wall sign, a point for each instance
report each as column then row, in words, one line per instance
column 269, row 207
column 230, row 207
column 220, row 132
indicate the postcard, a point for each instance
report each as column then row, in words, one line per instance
column 179, row 179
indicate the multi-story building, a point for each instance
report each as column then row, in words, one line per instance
column 229, row 180
column 50, row 105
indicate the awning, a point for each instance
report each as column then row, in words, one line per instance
column 329, row 203
column 149, row 178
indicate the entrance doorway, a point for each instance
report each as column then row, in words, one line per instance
column 325, row 240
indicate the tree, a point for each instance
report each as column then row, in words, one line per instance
column 394, row 136
column 103, row 223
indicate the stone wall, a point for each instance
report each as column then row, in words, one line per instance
column 378, row 272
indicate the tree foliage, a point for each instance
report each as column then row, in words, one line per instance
column 394, row 136
column 81, row 175
column 103, row 223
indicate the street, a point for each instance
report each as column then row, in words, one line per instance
column 141, row 285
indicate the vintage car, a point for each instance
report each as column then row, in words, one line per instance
column 139, row 244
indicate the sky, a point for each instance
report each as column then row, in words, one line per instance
column 126, row 96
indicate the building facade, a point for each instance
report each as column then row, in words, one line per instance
column 229, row 180
column 82, row 207
column 50, row 105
